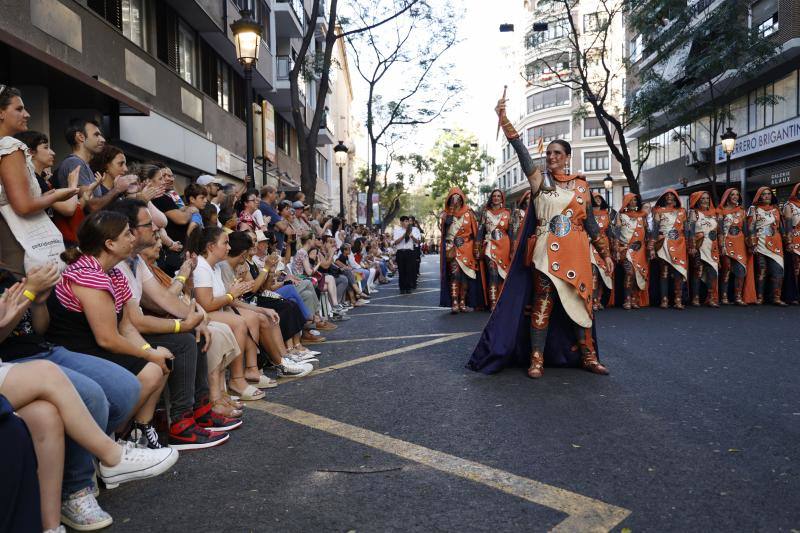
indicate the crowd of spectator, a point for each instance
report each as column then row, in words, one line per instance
column 135, row 321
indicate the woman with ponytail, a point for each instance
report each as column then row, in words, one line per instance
column 89, row 311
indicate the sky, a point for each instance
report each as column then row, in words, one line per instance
column 482, row 62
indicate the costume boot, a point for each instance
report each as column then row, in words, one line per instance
column 536, row 369
column 663, row 286
column 454, row 292
column 678, row 292
column 627, row 284
column 738, row 286
column 492, row 296
column 695, row 291
column 627, row 303
column 713, row 298
column 726, row 276
column 589, row 362
column 760, row 282
column 776, row 292
column 462, row 299
column 636, row 299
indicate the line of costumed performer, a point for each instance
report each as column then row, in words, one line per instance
column 550, row 277
column 735, row 258
column 670, row 248
column 703, row 224
column 496, row 235
column 632, row 240
column 602, row 278
column 791, row 215
column 766, row 232
column 461, row 277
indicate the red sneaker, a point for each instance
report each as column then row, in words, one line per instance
column 214, row 422
column 185, row 434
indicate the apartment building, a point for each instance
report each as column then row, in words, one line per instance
column 767, row 148
column 161, row 76
column 545, row 109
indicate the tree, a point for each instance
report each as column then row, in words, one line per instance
column 420, row 93
column 456, row 157
column 719, row 51
column 590, row 64
column 318, row 64
column 392, row 194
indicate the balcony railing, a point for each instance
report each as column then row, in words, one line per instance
column 299, row 11
column 285, row 65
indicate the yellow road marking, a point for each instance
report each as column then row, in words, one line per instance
column 381, row 355
column 406, row 306
column 440, row 309
column 406, row 295
column 390, row 338
column 585, row 514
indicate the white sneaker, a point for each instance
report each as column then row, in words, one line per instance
column 291, row 369
column 80, row 511
column 303, row 359
column 138, row 463
column 313, row 353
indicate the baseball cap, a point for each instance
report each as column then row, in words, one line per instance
column 298, row 205
column 205, row 179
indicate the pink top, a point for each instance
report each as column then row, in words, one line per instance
column 88, row 272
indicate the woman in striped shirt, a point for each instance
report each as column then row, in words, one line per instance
column 88, row 312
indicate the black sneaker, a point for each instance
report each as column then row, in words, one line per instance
column 144, row 436
column 185, row 434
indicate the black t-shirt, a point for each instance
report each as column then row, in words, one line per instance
column 23, row 341
column 176, row 232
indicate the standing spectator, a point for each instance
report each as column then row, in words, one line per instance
column 108, row 164
column 404, row 238
column 276, row 223
column 417, row 250
column 21, row 200
column 214, row 187
column 197, row 197
column 178, row 219
column 247, row 207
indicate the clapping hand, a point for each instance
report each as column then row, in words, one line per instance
column 41, row 279
column 12, row 304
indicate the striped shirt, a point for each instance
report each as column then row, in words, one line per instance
column 88, row 272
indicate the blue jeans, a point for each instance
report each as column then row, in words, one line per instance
column 110, row 393
column 290, row 293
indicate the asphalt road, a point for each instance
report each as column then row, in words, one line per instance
column 696, row 429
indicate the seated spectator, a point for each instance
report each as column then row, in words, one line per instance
column 50, row 406
column 20, row 506
column 211, row 246
column 213, row 185
column 108, row 164
column 104, row 328
column 325, row 257
column 222, row 350
column 228, row 220
column 276, row 224
column 355, row 273
column 210, row 215
column 190, row 412
column 152, row 184
column 246, row 208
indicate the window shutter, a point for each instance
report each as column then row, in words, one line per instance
column 167, row 35
column 111, row 10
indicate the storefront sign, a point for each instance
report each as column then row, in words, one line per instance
column 223, row 160
column 771, row 137
column 268, row 115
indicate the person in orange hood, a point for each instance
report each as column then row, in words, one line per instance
column 766, row 231
column 791, row 216
column 670, row 246
column 735, row 258
column 495, row 236
column 602, row 277
column 704, row 226
column 631, row 232
column 460, row 252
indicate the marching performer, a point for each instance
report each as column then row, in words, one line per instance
column 495, row 236
column 554, row 282
column 631, row 232
column 791, row 214
column 461, row 276
column 602, row 277
column 766, row 231
column 735, row 258
column 670, row 246
column 703, row 225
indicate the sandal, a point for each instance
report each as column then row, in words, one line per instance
column 233, row 401
column 249, row 394
column 221, row 407
column 263, row 382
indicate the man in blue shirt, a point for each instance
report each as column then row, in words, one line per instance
column 267, row 207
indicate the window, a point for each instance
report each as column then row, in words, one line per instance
column 594, row 161
column 593, row 22
column 549, row 132
column 555, row 30
column 186, row 53
column 550, row 98
column 785, row 93
column 125, row 15
column 282, row 134
column 591, row 127
column 514, row 174
column 223, row 85
column 635, row 49
column 322, row 168
column 543, row 70
column 764, row 17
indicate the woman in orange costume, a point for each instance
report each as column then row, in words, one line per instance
column 496, row 237
column 704, row 228
column 670, row 246
column 602, row 277
column 461, row 271
column 735, row 258
column 558, row 228
column 631, row 231
column 766, row 231
column 791, row 215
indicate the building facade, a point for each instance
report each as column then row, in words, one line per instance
column 161, row 77
column 765, row 111
column 544, row 109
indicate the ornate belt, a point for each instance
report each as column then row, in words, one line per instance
column 496, row 234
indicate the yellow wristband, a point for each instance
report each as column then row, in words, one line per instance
column 182, row 279
column 230, row 296
column 146, row 347
column 30, row 295
column 177, row 326
column 265, row 270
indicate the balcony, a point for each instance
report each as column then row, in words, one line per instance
column 325, row 135
column 289, row 19
column 322, row 21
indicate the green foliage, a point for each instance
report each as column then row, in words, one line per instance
column 456, row 157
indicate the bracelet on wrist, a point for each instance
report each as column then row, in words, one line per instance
column 30, row 295
column 180, row 278
column 177, row 326
column 146, row 347
column 230, row 296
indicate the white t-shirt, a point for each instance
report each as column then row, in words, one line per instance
column 136, row 281
column 258, row 218
column 205, row 276
column 403, row 245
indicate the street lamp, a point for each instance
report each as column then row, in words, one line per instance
column 728, row 145
column 247, row 38
column 340, row 157
column 608, row 182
